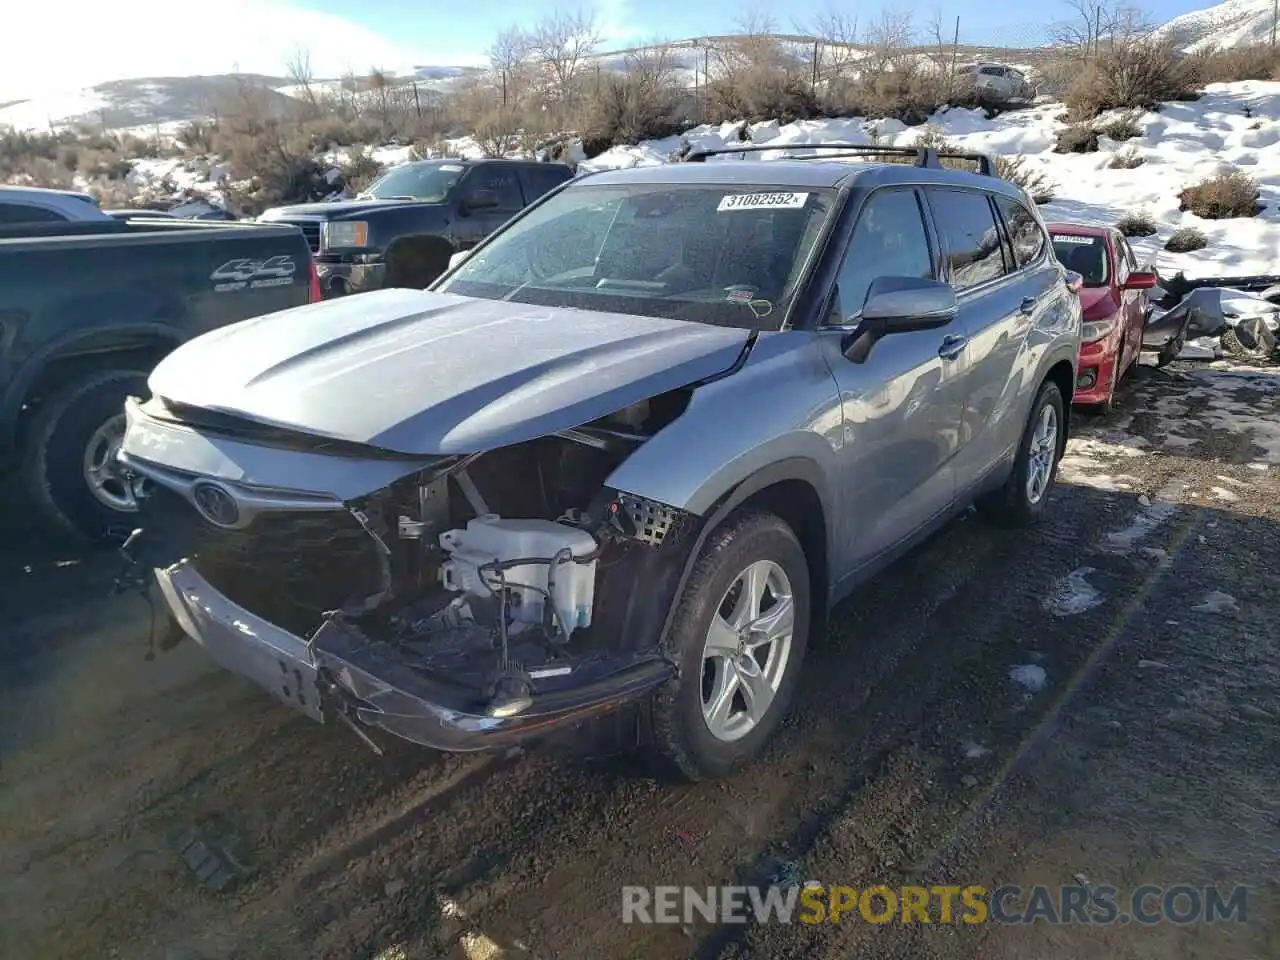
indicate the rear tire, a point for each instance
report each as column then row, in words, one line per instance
column 68, row 457
column 689, row 733
column 1014, row 505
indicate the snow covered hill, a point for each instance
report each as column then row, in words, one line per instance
column 1233, row 23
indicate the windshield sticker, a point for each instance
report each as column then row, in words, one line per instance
column 763, row 201
column 740, row 294
column 1068, row 238
column 451, row 168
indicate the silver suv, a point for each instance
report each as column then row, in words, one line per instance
column 626, row 455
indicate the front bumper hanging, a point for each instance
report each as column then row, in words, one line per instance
column 341, row 673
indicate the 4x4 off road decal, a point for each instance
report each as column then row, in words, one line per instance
column 254, row 274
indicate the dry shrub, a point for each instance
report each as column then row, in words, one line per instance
column 761, row 94
column 628, row 109
column 1186, row 240
column 1137, row 224
column 1120, row 128
column 358, row 170
column 1138, row 75
column 1036, row 183
column 1077, row 138
column 1252, row 62
column 1228, row 195
column 1127, row 159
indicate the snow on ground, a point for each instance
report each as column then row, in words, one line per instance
column 1235, row 124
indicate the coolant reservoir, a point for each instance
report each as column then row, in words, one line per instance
column 491, row 538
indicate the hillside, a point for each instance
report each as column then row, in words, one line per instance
column 1233, row 23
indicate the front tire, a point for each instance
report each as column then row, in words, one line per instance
column 69, row 455
column 1021, row 501
column 739, row 636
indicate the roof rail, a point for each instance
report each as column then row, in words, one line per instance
column 924, row 156
column 986, row 166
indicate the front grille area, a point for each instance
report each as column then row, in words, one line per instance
column 310, row 229
column 287, row 567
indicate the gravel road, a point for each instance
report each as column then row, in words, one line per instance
column 1099, row 697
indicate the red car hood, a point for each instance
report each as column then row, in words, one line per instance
column 1098, row 303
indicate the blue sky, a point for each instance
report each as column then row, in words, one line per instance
column 442, row 35
column 166, row 39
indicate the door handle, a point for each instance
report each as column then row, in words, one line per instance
column 1028, row 304
column 952, row 347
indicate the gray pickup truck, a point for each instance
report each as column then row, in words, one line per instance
column 88, row 305
column 403, row 229
column 627, row 454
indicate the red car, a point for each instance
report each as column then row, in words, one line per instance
column 1115, row 301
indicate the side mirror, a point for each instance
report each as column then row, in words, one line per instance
column 900, row 305
column 1141, row 281
column 458, row 257
column 1074, row 281
column 482, row 200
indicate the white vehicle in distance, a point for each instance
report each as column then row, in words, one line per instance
column 996, row 81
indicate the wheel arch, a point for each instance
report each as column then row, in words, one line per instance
column 129, row 346
column 796, row 491
column 1063, row 374
column 410, row 258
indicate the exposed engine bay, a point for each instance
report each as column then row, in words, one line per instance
column 488, row 573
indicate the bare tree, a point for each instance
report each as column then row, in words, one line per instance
column 839, row 35
column 299, row 70
column 562, row 43
column 508, row 58
column 1093, row 22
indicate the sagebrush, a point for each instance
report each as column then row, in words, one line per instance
column 1226, row 196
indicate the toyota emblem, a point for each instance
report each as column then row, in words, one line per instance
column 215, row 504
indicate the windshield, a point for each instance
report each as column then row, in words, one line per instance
column 430, row 182
column 1087, row 256
column 727, row 255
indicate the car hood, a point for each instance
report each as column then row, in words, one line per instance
column 336, row 209
column 1097, row 303
column 435, row 373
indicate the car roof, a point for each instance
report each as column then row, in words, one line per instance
column 35, row 193
column 1078, row 229
column 801, row 173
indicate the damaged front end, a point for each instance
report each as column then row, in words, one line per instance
column 468, row 602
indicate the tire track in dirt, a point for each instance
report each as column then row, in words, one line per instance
column 910, row 843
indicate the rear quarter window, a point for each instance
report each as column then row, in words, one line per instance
column 1028, row 239
column 25, row 213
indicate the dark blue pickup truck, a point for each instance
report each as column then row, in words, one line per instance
column 87, row 309
column 403, row 229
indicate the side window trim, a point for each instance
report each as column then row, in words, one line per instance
column 1007, row 253
column 1045, row 240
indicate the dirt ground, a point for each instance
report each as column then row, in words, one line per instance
column 999, row 708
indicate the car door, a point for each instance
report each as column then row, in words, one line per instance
column 1001, row 294
column 474, row 224
column 901, row 405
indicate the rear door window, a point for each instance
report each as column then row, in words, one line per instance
column 1025, row 235
column 501, row 180
column 889, row 240
column 970, row 238
column 542, row 178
